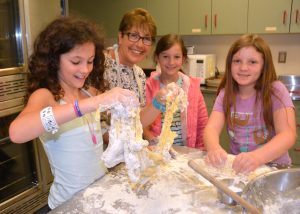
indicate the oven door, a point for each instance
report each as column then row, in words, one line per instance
column 17, row 163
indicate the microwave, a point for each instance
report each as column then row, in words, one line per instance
column 201, row 66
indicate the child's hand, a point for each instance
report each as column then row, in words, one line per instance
column 217, row 157
column 171, row 90
column 245, row 162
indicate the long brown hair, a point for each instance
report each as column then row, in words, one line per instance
column 59, row 37
column 263, row 86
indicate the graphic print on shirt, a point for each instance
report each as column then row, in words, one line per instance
column 248, row 133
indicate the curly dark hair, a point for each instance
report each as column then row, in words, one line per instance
column 59, row 37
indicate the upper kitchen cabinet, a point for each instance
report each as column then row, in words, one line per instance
column 269, row 16
column 194, row 17
column 108, row 13
column 165, row 13
column 295, row 19
column 229, row 17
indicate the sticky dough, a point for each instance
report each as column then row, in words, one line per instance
column 126, row 143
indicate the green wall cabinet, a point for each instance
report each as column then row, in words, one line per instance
column 229, row 17
column 205, row 17
column 198, row 17
column 295, row 17
column 269, row 16
column 195, row 17
column 165, row 13
column 108, row 13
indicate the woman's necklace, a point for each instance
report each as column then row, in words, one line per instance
column 90, row 125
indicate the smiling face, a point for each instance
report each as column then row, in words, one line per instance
column 170, row 62
column 130, row 52
column 246, row 67
column 76, row 65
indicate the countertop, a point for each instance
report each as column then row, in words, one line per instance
column 208, row 90
column 175, row 188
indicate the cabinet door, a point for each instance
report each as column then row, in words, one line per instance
column 295, row 17
column 229, row 17
column 194, row 17
column 108, row 13
column 165, row 14
column 269, row 16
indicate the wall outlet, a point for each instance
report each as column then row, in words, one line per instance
column 282, row 57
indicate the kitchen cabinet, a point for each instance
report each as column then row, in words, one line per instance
column 165, row 14
column 269, row 16
column 295, row 17
column 108, row 13
column 195, row 17
column 229, row 17
column 203, row 17
column 209, row 98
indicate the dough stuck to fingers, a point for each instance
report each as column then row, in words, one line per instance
column 127, row 145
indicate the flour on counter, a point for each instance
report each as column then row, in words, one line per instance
column 175, row 188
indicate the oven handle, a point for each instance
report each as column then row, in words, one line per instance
column 12, row 70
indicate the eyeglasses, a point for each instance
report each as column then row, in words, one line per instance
column 135, row 37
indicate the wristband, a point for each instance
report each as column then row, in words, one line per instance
column 77, row 109
column 48, row 120
column 158, row 105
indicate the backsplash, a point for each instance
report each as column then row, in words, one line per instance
column 219, row 45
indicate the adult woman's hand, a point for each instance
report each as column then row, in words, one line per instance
column 115, row 96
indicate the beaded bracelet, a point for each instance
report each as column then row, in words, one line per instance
column 77, row 109
column 48, row 120
column 158, row 105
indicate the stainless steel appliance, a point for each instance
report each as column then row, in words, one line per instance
column 25, row 176
column 292, row 82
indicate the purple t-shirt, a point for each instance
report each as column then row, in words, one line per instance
column 250, row 131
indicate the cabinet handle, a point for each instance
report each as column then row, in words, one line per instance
column 215, row 20
column 297, row 149
column 284, row 15
column 298, row 125
column 297, row 14
column 205, row 21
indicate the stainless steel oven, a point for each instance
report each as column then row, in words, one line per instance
column 25, row 175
